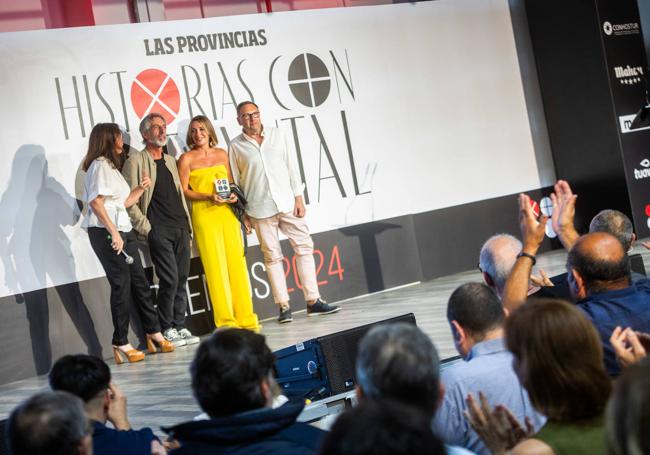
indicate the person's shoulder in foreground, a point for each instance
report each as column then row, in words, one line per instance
column 260, row 431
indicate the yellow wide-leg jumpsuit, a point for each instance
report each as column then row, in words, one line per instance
column 218, row 237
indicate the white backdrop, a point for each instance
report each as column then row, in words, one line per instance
column 431, row 94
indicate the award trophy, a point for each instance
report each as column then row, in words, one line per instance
column 222, row 187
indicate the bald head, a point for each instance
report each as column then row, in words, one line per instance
column 601, row 261
column 497, row 258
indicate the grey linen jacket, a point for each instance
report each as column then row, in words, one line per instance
column 132, row 171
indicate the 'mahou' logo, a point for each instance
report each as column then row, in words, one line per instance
column 155, row 91
column 628, row 75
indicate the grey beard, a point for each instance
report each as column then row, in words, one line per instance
column 158, row 143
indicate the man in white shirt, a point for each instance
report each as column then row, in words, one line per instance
column 264, row 166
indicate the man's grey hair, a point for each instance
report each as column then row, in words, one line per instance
column 398, row 361
column 615, row 223
column 145, row 124
column 49, row 422
column 498, row 257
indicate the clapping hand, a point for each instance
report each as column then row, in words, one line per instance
column 541, row 280
column 498, row 428
column 564, row 210
column 629, row 346
column 532, row 230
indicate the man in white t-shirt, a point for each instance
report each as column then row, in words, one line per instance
column 264, row 166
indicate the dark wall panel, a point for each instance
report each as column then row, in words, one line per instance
column 579, row 112
column 450, row 239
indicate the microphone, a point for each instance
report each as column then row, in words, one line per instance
column 128, row 259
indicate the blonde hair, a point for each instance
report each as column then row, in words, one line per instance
column 205, row 122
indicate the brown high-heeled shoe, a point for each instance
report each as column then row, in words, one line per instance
column 131, row 356
column 164, row 345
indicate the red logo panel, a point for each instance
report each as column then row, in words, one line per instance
column 155, row 91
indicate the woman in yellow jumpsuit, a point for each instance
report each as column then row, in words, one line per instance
column 217, row 231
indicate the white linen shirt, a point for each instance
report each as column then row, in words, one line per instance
column 103, row 179
column 267, row 174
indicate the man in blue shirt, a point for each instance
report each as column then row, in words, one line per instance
column 476, row 317
column 89, row 378
column 599, row 278
column 598, row 275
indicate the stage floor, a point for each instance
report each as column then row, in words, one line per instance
column 158, row 389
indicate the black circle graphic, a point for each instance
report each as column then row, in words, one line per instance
column 309, row 80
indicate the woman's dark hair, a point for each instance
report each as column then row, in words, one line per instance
column 558, row 357
column 382, row 427
column 101, row 143
column 228, row 370
column 628, row 412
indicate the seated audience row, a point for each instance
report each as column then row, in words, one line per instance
column 556, row 354
column 535, row 375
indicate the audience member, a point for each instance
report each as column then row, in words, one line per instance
column 89, row 378
column 49, row 422
column 382, row 428
column 609, row 221
column 498, row 256
column 399, row 362
column 476, row 318
column 627, row 417
column 232, row 379
column 558, row 359
column 598, row 276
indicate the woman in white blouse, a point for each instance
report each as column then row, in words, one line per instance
column 111, row 237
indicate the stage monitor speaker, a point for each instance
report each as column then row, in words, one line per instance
column 324, row 366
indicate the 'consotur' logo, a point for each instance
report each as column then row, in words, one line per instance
column 630, row 28
column 309, row 80
column 607, row 28
column 155, row 91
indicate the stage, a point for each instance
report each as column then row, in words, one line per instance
column 158, row 389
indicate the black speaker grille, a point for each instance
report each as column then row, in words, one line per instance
column 340, row 353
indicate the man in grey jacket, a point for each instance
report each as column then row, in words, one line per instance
column 162, row 218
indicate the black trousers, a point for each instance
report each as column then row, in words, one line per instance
column 128, row 283
column 170, row 253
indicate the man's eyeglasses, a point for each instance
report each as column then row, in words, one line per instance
column 255, row 114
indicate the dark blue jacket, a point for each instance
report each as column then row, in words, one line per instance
column 262, row 431
column 108, row 441
column 629, row 307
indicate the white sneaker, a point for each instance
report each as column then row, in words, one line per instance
column 188, row 337
column 173, row 336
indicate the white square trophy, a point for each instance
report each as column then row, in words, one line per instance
column 222, row 187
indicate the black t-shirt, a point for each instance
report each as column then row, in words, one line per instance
column 166, row 208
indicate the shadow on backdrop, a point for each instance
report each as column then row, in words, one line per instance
column 34, row 247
